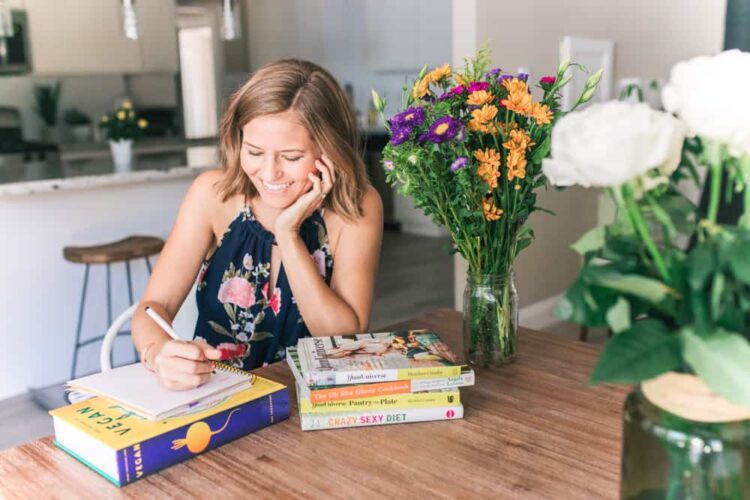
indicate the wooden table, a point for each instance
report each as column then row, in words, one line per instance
column 531, row 429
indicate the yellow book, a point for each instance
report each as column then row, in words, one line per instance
column 427, row 399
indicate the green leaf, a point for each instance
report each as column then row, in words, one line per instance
column 618, row 316
column 739, row 261
column 701, row 263
column 256, row 336
column 592, row 240
column 542, row 151
column 717, row 290
column 648, row 289
column 642, row 352
column 219, row 329
column 722, row 360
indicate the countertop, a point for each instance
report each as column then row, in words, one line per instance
column 90, row 165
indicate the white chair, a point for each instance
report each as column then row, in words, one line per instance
column 183, row 323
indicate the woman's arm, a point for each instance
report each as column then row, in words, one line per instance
column 345, row 306
column 172, row 278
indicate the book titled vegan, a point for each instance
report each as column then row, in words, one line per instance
column 124, row 447
column 375, row 357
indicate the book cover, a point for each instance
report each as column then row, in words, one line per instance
column 124, row 447
column 320, row 421
column 321, row 394
column 375, row 357
column 427, row 399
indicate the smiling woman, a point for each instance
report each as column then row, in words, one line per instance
column 262, row 234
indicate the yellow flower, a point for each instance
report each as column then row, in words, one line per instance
column 459, row 79
column 491, row 212
column 479, row 98
column 517, row 187
column 489, row 166
column 519, row 99
column 421, row 88
column 131, row 114
column 519, row 141
column 105, row 119
column 541, row 113
column 438, row 74
column 121, row 115
column 142, row 123
column 488, row 155
column 127, row 105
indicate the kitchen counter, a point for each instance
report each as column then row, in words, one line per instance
column 79, row 166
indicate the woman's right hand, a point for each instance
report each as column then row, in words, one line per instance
column 183, row 365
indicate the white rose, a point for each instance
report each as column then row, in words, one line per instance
column 612, row 143
column 710, row 95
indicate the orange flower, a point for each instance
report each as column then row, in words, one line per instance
column 519, row 99
column 489, row 166
column 491, row 212
column 488, row 155
column 541, row 113
column 519, row 141
column 516, row 164
column 479, row 98
column 422, row 88
column 481, row 119
column 438, row 74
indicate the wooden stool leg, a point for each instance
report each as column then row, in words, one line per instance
column 148, row 265
column 80, row 323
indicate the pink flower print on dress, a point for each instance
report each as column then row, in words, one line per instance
column 229, row 350
column 264, row 290
column 247, row 261
column 320, row 260
column 237, row 291
column 275, row 301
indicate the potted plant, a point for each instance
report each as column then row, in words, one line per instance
column 468, row 147
column 670, row 281
column 79, row 124
column 122, row 126
column 47, row 99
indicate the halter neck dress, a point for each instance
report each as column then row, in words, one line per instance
column 237, row 312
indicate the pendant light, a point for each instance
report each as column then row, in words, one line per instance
column 231, row 29
column 129, row 21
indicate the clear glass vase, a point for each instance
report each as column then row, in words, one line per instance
column 490, row 319
column 670, row 457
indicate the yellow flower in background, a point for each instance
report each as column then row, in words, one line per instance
column 131, row 114
column 541, row 113
column 142, row 123
column 479, row 98
column 491, row 212
column 127, row 105
column 438, row 74
column 105, row 119
column 519, row 141
column 519, row 99
column 121, row 115
column 489, row 166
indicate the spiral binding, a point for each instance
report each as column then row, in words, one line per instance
column 218, row 365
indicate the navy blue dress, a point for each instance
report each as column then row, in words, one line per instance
column 237, row 312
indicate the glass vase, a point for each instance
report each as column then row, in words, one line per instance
column 667, row 456
column 490, row 319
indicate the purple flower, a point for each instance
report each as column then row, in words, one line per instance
column 504, row 76
column 400, row 135
column 411, row 117
column 442, row 129
column 492, row 73
column 476, row 86
column 460, row 163
column 445, row 96
column 523, row 76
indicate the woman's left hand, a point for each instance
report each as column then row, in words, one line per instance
column 289, row 221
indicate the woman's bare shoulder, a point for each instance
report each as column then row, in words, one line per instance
column 205, row 193
column 369, row 225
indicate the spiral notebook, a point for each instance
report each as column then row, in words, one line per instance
column 138, row 390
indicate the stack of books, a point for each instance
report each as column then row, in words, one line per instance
column 132, row 427
column 376, row 379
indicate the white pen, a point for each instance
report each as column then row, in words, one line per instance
column 163, row 324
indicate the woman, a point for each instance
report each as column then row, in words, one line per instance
column 286, row 235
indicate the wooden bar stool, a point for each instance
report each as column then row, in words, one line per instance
column 125, row 250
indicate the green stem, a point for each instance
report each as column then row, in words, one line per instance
column 713, row 203
column 640, row 226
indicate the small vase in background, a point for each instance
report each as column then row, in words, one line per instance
column 122, row 154
column 490, row 319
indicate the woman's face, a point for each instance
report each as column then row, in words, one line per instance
column 277, row 154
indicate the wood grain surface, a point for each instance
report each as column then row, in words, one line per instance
column 532, row 429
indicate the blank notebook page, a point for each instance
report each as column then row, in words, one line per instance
column 136, row 387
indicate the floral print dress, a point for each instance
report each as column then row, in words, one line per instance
column 237, row 312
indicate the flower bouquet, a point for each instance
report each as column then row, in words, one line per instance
column 669, row 281
column 122, row 127
column 468, row 148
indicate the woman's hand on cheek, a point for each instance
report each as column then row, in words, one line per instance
column 289, row 221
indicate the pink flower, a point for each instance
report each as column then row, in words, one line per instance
column 320, row 260
column 264, row 290
column 275, row 301
column 458, row 90
column 547, row 80
column 229, row 350
column 238, row 292
column 477, row 86
column 202, row 273
column 247, row 261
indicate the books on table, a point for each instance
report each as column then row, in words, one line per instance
column 376, row 379
column 124, row 446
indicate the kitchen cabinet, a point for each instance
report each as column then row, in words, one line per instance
column 85, row 37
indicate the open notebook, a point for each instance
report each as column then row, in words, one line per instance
column 139, row 390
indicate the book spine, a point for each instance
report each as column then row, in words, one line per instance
column 372, row 376
column 177, row 445
column 317, row 396
column 314, row 421
column 393, row 402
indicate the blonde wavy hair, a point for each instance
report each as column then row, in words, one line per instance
column 323, row 109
